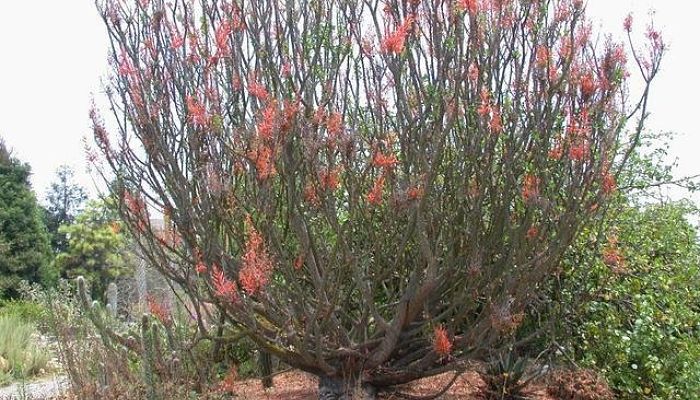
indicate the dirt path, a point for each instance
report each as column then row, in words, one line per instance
column 42, row 389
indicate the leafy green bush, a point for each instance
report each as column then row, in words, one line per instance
column 26, row 310
column 20, row 356
column 636, row 302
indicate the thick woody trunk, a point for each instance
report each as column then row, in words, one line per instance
column 265, row 364
column 330, row 388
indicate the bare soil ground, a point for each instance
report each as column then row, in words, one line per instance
column 296, row 385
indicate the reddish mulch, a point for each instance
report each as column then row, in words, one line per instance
column 296, row 385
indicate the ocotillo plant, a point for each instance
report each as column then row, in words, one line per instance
column 373, row 191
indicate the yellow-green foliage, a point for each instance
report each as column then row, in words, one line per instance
column 20, row 355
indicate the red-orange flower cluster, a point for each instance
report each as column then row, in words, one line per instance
column 588, row 85
column 627, row 23
column 159, row 310
column 310, row 195
column 268, row 120
column 385, row 161
column 441, row 341
column 334, row 123
column 608, row 183
column 374, row 197
column 330, row 179
column 530, row 190
column 415, row 193
column 197, row 114
column 262, row 156
column 394, row 42
column 257, row 90
column 532, row 232
column 496, row 123
column 224, row 288
column 298, row 262
column 612, row 257
column 484, row 108
column 222, row 39
column 257, row 263
column 470, row 6
column 201, row 268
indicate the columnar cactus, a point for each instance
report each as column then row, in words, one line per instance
column 112, row 296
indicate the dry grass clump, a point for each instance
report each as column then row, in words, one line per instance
column 21, row 356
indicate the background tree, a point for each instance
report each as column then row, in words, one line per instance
column 24, row 244
column 374, row 192
column 96, row 247
column 65, row 200
column 626, row 301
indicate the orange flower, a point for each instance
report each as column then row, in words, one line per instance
column 627, row 23
column 441, row 341
column 266, row 125
column 258, row 90
column 485, row 105
column 224, row 288
column 334, row 123
column 222, row 36
column 577, row 152
column 588, row 85
column 299, row 262
column 415, row 192
column 542, row 56
column 394, row 42
column 471, row 6
column 330, row 179
column 200, row 268
column 384, row 161
column 257, row 264
column 530, row 189
column 158, row 310
column 532, row 232
column 374, row 197
column 555, row 152
column 310, row 195
column 496, row 124
column 608, row 183
column 612, row 256
column 263, row 158
column 197, row 113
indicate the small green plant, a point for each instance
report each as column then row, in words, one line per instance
column 506, row 377
column 20, row 356
column 26, row 310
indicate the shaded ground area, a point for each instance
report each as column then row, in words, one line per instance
column 296, row 385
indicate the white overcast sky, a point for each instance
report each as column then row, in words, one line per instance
column 53, row 55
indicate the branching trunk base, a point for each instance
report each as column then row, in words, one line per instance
column 339, row 389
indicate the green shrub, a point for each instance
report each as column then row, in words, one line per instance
column 26, row 310
column 20, row 355
column 628, row 303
